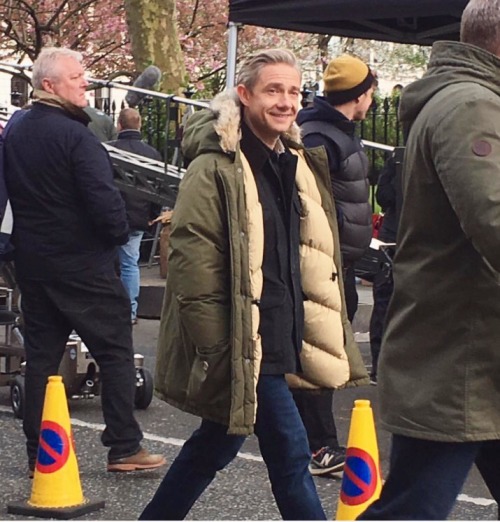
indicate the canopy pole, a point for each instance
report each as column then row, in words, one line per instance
column 232, row 45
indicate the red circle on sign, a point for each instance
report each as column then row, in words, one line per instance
column 360, row 471
column 54, row 445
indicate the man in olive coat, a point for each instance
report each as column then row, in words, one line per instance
column 253, row 290
column 439, row 373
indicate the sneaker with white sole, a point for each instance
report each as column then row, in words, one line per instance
column 327, row 460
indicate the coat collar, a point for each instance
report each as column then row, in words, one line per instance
column 130, row 134
column 52, row 100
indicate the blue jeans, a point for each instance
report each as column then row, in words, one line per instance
column 284, row 448
column 129, row 268
column 425, row 477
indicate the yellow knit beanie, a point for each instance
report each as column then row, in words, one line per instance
column 345, row 78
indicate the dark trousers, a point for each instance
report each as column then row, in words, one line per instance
column 98, row 309
column 315, row 408
column 350, row 292
column 425, row 477
column 283, row 445
column 383, row 286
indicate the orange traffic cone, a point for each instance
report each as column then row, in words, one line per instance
column 56, row 492
column 361, row 482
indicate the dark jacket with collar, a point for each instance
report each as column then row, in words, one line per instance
column 281, row 303
column 139, row 210
column 321, row 124
column 68, row 213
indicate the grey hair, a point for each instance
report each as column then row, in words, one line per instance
column 251, row 67
column 45, row 64
column 480, row 25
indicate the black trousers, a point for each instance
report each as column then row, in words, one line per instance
column 98, row 309
column 350, row 292
column 383, row 286
column 315, row 408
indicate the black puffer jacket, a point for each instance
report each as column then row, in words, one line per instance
column 321, row 124
column 68, row 213
column 139, row 210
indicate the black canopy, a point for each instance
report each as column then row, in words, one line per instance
column 405, row 21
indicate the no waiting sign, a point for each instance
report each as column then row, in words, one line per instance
column 53, row 447
column 360, row 477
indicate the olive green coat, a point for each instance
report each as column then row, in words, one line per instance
column 207, row 361
column 440, row 360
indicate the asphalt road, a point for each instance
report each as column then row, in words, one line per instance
column 240, row 492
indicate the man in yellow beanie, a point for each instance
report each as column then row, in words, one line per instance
column 330, row 122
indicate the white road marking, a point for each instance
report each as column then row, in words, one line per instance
column 147, row 436
column 246, row 456
column 157, row 438
column 474, row 500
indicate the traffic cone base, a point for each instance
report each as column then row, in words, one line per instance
column 56, row 490
column 66, row 513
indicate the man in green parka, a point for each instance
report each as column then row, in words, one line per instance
column 253, row 292
column 439, row 382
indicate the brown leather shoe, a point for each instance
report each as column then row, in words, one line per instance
column 141, row 460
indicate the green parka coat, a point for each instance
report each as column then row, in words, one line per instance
column 440, row 357
column 208, row 361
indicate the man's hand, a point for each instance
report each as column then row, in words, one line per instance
column 164, row 218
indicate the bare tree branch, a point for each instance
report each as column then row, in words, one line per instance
column 195, row 12
column 211, row 73
column 77, row 11
column 57, row 12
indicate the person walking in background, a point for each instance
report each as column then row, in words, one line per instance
column 139, row 210
column 439, row 364
column 349, row 85
column 250, row 294
column 330, row 122
column 388, row 196
column 101, row 124
column 68, row 219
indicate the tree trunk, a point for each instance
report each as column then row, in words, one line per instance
column 155, row 41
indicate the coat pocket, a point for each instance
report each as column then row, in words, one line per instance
column 210, row 378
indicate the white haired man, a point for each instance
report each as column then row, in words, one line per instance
column 68, row 220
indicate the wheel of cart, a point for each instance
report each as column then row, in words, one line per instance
column 144, row 385
column 18, row 396
column 11, row 349
column 80, row 372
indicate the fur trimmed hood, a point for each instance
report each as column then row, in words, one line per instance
column 218, row 128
